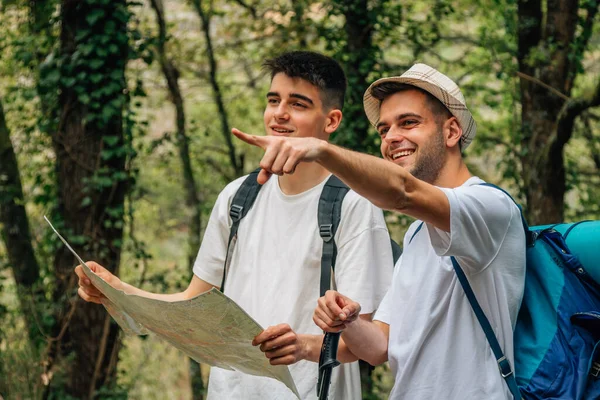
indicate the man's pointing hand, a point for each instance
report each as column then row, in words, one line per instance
column 282, row 154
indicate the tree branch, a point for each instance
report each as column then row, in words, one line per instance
column 545, row 85
column 581, row 42
column 594, row 151
column 571, row 110
column 205, row 18
column 248, row 7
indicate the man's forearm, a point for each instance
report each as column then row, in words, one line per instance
column 385, row 184
column 196, row 287
column 314, row 344
column 362, row 339
column 129, row 289
column 367, row 340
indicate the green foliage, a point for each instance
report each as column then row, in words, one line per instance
column 473, row 42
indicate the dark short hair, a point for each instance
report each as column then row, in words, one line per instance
column 437, row 108
column 323, row 72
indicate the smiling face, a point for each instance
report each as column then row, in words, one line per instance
column 295, row 108
column 411, row 136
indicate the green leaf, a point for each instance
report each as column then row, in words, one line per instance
column 110, row 140
column 96, row 63
column 84, row 98
column 93, row 16
column 96, row 78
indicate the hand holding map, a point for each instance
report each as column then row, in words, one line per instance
column 210, row 328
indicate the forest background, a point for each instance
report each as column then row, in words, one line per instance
column 115, row 121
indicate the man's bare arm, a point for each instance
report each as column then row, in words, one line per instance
column 88, row 292
column 385, row 184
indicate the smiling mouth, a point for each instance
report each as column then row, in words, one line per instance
column 403, row 153
column 281, row 131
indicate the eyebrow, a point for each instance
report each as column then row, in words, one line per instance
column 399, row 117
column 294, row 95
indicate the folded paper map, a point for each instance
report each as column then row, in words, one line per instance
column 210, row 328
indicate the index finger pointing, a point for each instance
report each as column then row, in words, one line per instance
column 250, row 139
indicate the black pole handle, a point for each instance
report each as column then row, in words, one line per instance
column 327, row 361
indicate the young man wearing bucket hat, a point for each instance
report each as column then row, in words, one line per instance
column 425, row 325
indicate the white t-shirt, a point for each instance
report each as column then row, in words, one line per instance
column 437, row 349
column 275, row 274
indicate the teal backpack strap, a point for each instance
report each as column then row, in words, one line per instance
column 503, row 363
column 240, row 205
column 530, row 236
column 416, row 231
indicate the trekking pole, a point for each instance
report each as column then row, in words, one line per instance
column 327, row 361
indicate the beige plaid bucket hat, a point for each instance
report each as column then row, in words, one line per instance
column 440, row 86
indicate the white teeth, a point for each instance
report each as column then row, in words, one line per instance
column 402, row 153
column 282, row 130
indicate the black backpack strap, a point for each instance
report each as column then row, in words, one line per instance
column 329, row 216
column 240, row 205
column 396, row 250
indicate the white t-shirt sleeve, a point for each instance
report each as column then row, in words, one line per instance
column 384, row 311
column 364, row 263
column 211, row 256
column 479, row 220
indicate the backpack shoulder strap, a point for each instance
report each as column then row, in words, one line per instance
column 529, row 235
column 396, row 250
column 329, row 216
column 503, row 363
column 240, row 205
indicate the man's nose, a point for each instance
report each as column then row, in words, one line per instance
column 281, row 112
column 393, row 135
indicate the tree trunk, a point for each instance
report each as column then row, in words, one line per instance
column 205, row 17
column 16, row 234
column 92, row 181
column 360, row 56
column 548, row 54
column 171, row 74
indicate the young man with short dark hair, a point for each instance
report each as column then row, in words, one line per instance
column 275, row 267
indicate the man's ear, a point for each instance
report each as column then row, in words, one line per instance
column 452, row 132
column 334, row 118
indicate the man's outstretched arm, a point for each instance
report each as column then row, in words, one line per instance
column 89, row 292
column 385, row 184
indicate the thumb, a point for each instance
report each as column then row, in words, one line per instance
column 351, row 309
column 263, row 176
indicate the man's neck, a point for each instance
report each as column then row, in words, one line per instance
column 454, row 174
column 305, row 177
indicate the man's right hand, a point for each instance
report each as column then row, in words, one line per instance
column 87, row 290
column 335, row 312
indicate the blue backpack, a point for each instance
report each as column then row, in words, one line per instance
column 557, row 334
